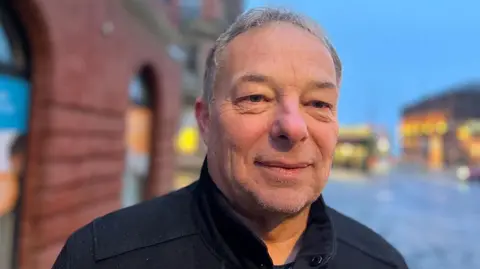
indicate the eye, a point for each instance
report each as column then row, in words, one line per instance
column 319, row 104
column 256, row 98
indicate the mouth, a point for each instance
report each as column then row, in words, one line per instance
column 283, row 169
column 283, row 165
column 283, row 173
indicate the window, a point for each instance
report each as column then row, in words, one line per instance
column 138, row 140
column 139, row 92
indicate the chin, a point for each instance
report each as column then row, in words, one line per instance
column 287, row 201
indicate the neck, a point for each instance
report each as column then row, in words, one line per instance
column 280, row 234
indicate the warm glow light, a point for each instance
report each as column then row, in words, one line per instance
column 188, row 140
column 441, row 127
column 355, row 131
column 463, row 133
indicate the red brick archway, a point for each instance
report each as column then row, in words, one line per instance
column 81, row 68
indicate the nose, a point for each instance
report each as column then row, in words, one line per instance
column 289, row 126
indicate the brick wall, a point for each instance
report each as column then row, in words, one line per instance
column 76, row 147
column 222, row 9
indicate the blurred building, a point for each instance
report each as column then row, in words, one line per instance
column 443, row 130
column 83, row 80
column 363, row 148
column 201, row 22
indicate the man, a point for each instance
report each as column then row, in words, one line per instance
column 268, row 116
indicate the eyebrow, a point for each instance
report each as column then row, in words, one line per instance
column 256, row 78
column 262, row 79
column 322, row 85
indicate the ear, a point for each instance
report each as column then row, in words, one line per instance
column 202, row 115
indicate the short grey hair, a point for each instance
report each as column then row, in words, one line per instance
column 254, row 18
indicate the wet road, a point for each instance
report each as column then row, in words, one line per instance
column 432, row 219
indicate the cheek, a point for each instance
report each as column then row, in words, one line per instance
column 243, row 131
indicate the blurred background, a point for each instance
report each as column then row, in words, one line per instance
column 96, row 113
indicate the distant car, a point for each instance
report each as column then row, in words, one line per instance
column 469, row 173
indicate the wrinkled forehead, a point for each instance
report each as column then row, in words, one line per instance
column 282, row 51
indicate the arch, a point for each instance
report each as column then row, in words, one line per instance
column 35, row 39
column 140, row 117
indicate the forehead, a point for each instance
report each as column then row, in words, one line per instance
column 280, row 50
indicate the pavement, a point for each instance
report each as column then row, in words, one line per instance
column 433, row 219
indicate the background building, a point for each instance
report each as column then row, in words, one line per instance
column 73, row 75
column 201, row 22
column 364, row 148
column 442, row 130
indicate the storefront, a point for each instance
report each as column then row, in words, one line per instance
column 14, row 111
column 362, row 148
column 89, row 109
column 423, row 136
column 440, row 131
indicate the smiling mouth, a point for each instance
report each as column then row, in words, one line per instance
column 283, row 166
column 283, row 173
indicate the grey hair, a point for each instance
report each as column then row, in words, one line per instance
column 254, row 18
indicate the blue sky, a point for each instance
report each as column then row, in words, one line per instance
column 395, row 52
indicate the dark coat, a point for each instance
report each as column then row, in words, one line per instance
column 192, row 228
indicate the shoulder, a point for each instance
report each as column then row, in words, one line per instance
column 153, row 222
column 357, row 237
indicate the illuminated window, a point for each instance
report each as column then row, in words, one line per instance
column 188, row 138
column 138, row 140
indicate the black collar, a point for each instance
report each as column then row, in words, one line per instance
column 240, row 248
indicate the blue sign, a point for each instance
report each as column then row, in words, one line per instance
column 14, row 103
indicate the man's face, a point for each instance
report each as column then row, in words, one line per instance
column 272, row 128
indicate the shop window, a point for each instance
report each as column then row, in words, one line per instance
column 14, row 113
column 138, row 140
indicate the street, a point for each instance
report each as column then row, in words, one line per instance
column 432, row 219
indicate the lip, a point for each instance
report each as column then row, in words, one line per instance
column 283, row 173
column 283, row 165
